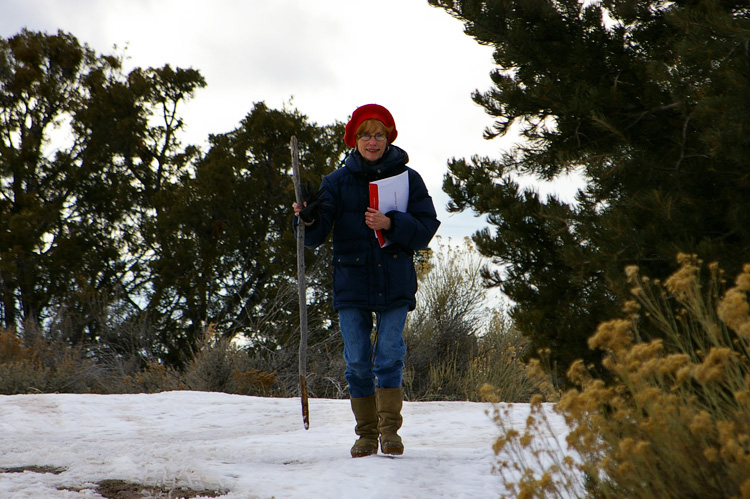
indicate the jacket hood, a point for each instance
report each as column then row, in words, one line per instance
column 393, row 158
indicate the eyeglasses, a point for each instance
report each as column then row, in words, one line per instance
column 378, row 136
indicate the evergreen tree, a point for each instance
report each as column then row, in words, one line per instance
column 115, row 234
column 84, row 149
column 227, row 254
column 648, row 100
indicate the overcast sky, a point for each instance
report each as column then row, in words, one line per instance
column 328, row 57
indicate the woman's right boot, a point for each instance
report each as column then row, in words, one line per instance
column 390, row 401
column 366, row 413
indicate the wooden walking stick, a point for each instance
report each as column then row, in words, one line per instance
column 301, row 285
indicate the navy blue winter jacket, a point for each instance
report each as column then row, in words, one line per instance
column 365, row 275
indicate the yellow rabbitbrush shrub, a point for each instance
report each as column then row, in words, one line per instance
column 674, row 421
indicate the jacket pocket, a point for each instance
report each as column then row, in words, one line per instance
column 349, row 260
column 401, row 277
column 350, row 279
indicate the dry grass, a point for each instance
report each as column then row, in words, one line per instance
column 495, row 360
column 49, row 367
column 675, row 419
column 40, row 366
column 457, row 340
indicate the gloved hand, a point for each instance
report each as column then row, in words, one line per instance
column 313, row 205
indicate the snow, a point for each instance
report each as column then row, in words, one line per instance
column 251, row 447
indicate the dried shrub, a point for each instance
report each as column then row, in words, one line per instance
column 497, row 361
column 532, row 462
column 456, row 342
column 674, row 418
column 155, row 377
column 41, row 366
column 221, row 366
column 53, row 366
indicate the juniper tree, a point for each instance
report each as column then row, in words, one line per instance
column 649, row 102
column 82, row 155
column 228, row 253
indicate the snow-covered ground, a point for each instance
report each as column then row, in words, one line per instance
column 250, row 447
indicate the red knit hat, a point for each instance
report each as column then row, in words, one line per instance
column 367, row 112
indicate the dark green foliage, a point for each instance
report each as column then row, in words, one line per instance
column 116, row 236
column 42, row 83
column 648, row 101
column 227, row 253
column 82, row 154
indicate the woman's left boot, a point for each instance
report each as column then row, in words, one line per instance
column 390, row 401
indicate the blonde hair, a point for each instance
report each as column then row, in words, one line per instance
column 372, row 126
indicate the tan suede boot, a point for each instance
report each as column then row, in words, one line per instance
column 390, row 401
column 366, row 413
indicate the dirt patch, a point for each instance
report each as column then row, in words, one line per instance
column 34, row 469
column 119, row 489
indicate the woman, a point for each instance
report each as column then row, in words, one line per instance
column 369, row 279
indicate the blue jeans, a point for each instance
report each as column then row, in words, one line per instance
column 387, row 367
